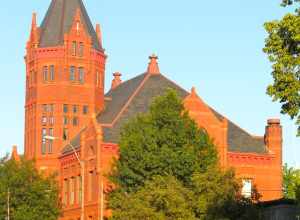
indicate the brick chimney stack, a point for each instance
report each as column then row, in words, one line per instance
column 116, row 81
column 273, row 141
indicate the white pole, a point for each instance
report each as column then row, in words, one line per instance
column 8, row 208
column 102, row 200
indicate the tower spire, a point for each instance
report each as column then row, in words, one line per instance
column 153, row 67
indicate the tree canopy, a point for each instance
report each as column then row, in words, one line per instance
column 291, row 182
column 282, row 46
column 168, row 169
column 31, row 195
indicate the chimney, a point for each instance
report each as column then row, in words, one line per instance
column 116, row 81
column 153, row 67
column 273, row 137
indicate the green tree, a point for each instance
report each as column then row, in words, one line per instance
column 168, row 169
column 291, row 182
column 32, row 196
column 282, row 46
column 164, row 141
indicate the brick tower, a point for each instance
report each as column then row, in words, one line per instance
column 65, row 65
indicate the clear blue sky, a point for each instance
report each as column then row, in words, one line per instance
column 213, row 45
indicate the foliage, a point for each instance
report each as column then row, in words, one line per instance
column 282, row 46
column 162, row 198
column 164, row 141
column 32, row 196
column 291, row 182
column 168, row 169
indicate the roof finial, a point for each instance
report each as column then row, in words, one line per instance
column 33, row 22
column 193, row 92
column 117, row 80
column 153, row 67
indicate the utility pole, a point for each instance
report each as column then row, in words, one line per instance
column 8, row 208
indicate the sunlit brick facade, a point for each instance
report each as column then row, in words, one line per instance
column 65, row 99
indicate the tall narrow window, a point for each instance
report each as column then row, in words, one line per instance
column 44, row 120
column 74, row 48
column 45, row 108
column 90, row 193
column 85, row 109
column 51, row 108
column 81, row 49
column 50, row 142
column 79, row 189
column 97, row 78
column 72, row 73
column 44, row 133
column 65, row 134
column 81, row 74
column 65, row 120
column 51, row 72
column 65, row 192
column 247, row 188
column 45, row 73
column 66, row 109
column 75, row 109
column 72, row 190
column 51, row 120
column 75, row 121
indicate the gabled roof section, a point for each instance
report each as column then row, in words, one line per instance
column 151, row 86
column 59, row 19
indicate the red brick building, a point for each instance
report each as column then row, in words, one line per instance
column 65, row 99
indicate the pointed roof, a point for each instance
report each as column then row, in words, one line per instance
column 59, row 19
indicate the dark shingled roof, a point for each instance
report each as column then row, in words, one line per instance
column 156, row 85
column 59, row 19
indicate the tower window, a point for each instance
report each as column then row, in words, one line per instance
column 44, row 133
column 75, row 121
column 51, row 108
column 74, row 48
column 50, row 142
column 51, row 71
column 45, row 73
column 72, row 190
column 75, row 108
column 85, row 109
column 81, row 74
column 44, row 120
column 65, row 192
column 65, row 108
column 65, row 120
column 45, row 108
column 81, row 49
column 97, row 79
column 51, row 120
column 72, row 73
